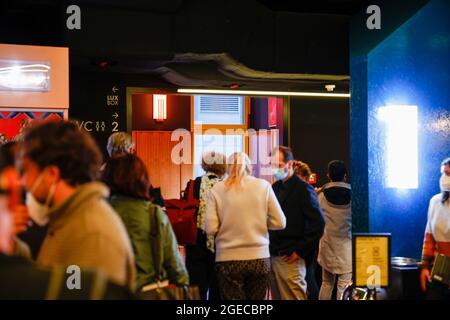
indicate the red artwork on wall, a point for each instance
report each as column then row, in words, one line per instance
column 272, row 104
column 12, row 123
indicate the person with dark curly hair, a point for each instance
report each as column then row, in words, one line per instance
column 59, row 165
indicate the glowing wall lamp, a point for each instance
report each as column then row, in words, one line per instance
column 24, row 76
column 159, row 107
column 401, row 145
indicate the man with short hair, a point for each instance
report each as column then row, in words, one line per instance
column 59, row 164
column 293, row 248
column 22, row 279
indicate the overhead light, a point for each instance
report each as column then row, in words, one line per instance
column 401, row 145
column 265, row 93
column 24, row 76
column 159, row 107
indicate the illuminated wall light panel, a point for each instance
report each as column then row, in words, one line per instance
column 159, row 107
column 401, row 153
column 24, row 76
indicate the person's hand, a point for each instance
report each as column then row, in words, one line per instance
column 424, row 278
column 292, row 258
column 21, row 219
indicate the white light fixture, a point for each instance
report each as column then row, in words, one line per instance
column 265, row 93
column 159, row 107
column 24, row 76
column 401, row 145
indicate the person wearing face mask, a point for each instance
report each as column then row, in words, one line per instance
column 59, row 163
column 437, row 237
column 292, row 249
column 22, row 279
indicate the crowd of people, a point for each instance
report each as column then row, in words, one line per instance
column 63, row 208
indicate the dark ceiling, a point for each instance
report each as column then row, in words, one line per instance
column 257, row 44
column 341, row 7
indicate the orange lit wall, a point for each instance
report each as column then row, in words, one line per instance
column 178, row 113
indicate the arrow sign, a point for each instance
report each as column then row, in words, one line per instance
column 114, row 89
column 115, row 115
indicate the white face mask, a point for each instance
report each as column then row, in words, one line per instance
column 39, row 212
column 444, row 182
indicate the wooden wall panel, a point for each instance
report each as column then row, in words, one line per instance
column 155, row 147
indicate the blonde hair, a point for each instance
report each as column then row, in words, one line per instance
column 119, row 143
column 238, row 166
column 302, row 169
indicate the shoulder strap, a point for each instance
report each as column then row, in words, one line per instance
column 190, row 194
column 99, row 284
column 55, row 283
column 154, row 235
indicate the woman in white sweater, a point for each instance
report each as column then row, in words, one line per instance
column 240, row 211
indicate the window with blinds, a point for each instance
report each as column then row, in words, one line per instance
column 217, row 109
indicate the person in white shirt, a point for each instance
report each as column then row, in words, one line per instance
column 239, row 213
column 437, row 237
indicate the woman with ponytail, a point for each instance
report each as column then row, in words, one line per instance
column 239, row 213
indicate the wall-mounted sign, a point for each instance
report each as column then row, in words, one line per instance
column 312, row 178
column 97, row 104
column 371, row 259
column 24, row 75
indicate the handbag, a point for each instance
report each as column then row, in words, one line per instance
column 182, row 214
column 441, row 269
column 161, row 290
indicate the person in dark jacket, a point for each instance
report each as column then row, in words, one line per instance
column 127, row 177
column 200, row 259
column 293, row 248
column 304, row 172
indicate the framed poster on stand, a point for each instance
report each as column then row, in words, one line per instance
column 371, row 259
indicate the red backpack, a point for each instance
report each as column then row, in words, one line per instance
column 182, row 214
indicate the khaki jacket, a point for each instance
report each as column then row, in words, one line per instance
column 135, row 214
column 85, row 231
